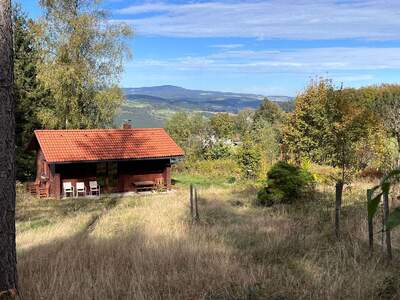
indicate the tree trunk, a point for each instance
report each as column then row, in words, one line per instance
column 338, row 205
column 8, row 272
column 191, row 202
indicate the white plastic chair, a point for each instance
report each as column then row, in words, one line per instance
column 80, row 188
column 94, row 188
column 68, row 189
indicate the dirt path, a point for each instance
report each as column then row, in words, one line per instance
column 96, row 217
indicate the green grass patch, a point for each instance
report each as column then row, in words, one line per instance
column 32, row 225
column 202, row 181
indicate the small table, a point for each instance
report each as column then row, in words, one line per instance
column 143, row 185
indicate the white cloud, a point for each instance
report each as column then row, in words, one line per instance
column 227, row 46
column 314, row 60
column 289, row 19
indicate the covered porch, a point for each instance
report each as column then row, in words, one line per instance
column 110, row 177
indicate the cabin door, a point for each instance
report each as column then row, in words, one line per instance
column 107, row 176
column 112, row 176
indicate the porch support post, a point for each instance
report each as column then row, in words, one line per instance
column 55, row 182
column 57, row 186
column 167, row 176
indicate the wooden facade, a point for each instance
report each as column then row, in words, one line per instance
column 112, row 176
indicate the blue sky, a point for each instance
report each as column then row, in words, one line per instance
column 270, row 47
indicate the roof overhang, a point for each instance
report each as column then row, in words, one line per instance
column 179, row 157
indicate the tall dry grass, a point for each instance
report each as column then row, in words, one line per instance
column 147, row 248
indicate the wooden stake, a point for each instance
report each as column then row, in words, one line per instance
column 370, row 223
column 191, row 201
column 383, row 230
column 338, row 204
column 387, row 231
column 196, row 206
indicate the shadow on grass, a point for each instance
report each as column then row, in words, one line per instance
column 131, row 266
column 43, row 212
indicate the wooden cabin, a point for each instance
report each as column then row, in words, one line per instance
column 120, row 160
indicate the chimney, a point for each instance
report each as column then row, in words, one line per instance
column 127, row 124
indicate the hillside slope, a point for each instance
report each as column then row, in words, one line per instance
column 151, row 106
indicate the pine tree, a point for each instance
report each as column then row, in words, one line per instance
column 30, row 97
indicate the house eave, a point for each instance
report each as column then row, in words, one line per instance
column 175, row 157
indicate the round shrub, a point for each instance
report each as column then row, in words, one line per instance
column 285, row 183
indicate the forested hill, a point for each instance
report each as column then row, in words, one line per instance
column 212, row 101
column 151, row 106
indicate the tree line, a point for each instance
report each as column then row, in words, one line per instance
column 346, row 128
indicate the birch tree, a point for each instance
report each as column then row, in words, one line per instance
column 82, row 54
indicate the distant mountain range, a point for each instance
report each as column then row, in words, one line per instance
column 151, row 106
column 211, row 101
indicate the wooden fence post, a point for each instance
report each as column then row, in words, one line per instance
column 191, row 201
column 370, row 223
column 338, row 205
column 387, row 231
column 197, row 217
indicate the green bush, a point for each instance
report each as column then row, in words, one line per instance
column 218, row 151
column 224, row 168
column 249, row 158
column 285, row 183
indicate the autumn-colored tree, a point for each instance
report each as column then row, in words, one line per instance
column 267, row 138
column 81, row 60
column 244, row 121
column 327, row 126
column 269, row 111
column 189, row 131
column 223, row 125
column 388, row 106
column 307, row 127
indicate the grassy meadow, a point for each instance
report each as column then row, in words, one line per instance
column 146, row 247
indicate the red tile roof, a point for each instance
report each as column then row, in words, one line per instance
column 106, row 144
